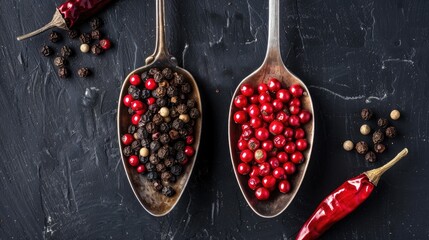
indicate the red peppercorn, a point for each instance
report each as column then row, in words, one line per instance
column 284, row 186
column 262, row 194
column 150, row 84
column 253, row 111
column 245, row 126
column 135, row 80
column 301, row 144
column 290, row 147
column 185, row 161
column 296, row 90
column 279, row 141
column 297, row 157
column 295, row 102
column 240, row 101
column 289, row 168
column 254, row 172
column 243, row 168
column 274, row 85
column 304, row 116
column 279, row 173
column 255, row 122
column 190, row 140
column 282, row 117
column 288, row 133
column 260, row 156
column 189, row 151
column 151, row 100
column 240, row 117
column 246, row 156
column 262, row 134
column 254, row 99
column 269, row 182
column 127, row 139
column 264, row 169
column 299, row 133
column 254, row 183
column 273, row 152
column 247, row 134
column 133, row 160
column 262, row 88
column 276, row 127
column 266, row 108
column 242, row 144
column 268, row 118
column 294, row 110
column 294, row 121
column 282, row 157
column 141, row 168
column 135, row 119
column 274, row 162
column 283, row 95
column 277, row 105
column 105, row 44
column 127, row 100
column 246, row 90
column 264, row 97
column 253, row 144
column 137, row 105
column 267, row 145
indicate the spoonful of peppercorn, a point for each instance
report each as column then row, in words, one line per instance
column 271, row 130
column 159, row 126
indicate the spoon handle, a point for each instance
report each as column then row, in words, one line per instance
column 161, row 50
column 273, row 48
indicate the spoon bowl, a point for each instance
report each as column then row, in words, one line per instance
column 272, row 66
column 154, row 202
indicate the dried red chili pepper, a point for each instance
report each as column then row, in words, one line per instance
column 69, row 13
column 344, row 200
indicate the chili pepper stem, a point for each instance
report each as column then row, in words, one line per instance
column 375, row 174
column 57, row 21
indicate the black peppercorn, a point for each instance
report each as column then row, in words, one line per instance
column 83, row 72
column 144, row 119
column 370, row 157
column 127, row 151
column 63, row 72
column 160, row 92
column 366, row 114
column 160, row 167
column 66, row 51
column 157, row 119
column 391, row 132
column 85, row 38
column 134, row 91
column 162, row 102
column 180, row 156
column 194, row 113
column 169, row 162
column 166, row 175
column 164, row 127
column 182, row 109
column 145, row 93
column 167, row 73
column 191, row 103
column 60, row 61
column 186, row 88
column 130, row 111
column 157, row 185
column 379, row 148
column 46, row 51
column 177, row 124
column 96, row 49
column 361, row 147
column 172, row 179
column 73, row 33
column 163, row 152
column 154, row 146
column 164, row 83
column 132, row 129
column 178, row 79
column 173, row 112
column 154, row 159
column 377, row 136
column 168, row 191
column 95, row 34
column 145, row 142
column 95, row 23
column 172, row 91
column 151, row 176
column 55, row 36
column 158, row 77
column 143, row 160
column 382, row 122
column 142, row 133
column 149, row 167
column 165, row 138
column 153, row 71
column 153, row 108
column 173, row 134
column 151, row 127
column 176, row 169
column 143, row 75
column 183, row 132
column 135, row 145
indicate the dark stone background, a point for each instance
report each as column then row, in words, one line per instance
column 60, row 171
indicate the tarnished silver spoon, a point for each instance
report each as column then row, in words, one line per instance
column 153, row 202
column 272, row 66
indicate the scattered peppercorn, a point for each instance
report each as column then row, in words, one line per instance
column 348, row 145
column 391, row 132
column 168, row 191
column 377, row 136
column 85, row 38
column 382, row 122
column 379, row 148
column 96, row 49
column 66, row 51
column 46, row 51
column 361, row 147
column 95, row 34
column 395, row 114
column 157, row 185
column 55, row 36
column 63, row 72
column 83, row 72
column 95, row 23
column 60, row 61
column 73, row 33
column 84, row 48
column 370, row 157
column 366, row 114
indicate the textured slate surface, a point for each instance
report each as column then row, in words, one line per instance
column 60, row 171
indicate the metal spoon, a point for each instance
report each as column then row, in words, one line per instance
column 272, row 66
column 153, row 202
